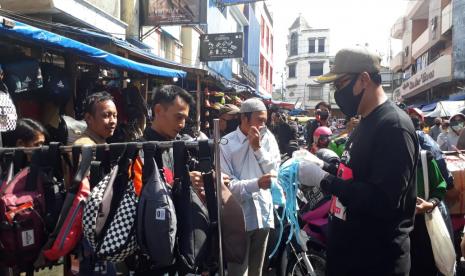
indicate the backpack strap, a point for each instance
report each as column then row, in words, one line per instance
column 149, row 153
column 31, row 181
column 206, row 167
column 179, row 160
column 83, row 168
column 19, row 160
column 54, row 159
column 75, row 154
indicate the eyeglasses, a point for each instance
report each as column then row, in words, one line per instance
column 340, row 83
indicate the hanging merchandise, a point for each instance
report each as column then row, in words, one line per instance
column 22, row 76
column 110, row 212
column 219, row 97
column 192, row 216
column 56, row 82
column 156, row 216
column 68, row 231
column 8, row 114
column 23, row 209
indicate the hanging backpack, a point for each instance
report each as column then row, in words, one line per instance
column 22, row 76
column 68, row 231
column 109, row 216
column 193, row 219
column 156, row 216
column 22, row 212
column 8, row 115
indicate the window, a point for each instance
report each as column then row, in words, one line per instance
column 271, row 43
column 321, row 45
column 315, row 92
column 294, row 44
column 311, row 45
column 316, row 69
column 292, row 70
column 262, row 29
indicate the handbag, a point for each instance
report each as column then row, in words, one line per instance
column 441, row 243
column 109, row 216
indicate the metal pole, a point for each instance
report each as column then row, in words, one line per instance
column 198, row 104
column 216, row 140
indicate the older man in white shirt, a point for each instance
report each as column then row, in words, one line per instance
column 251, row 158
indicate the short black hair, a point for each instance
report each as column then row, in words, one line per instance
column 166, row 95
column 95, row 98
column 376, row 78
column 324, row 104
column 25, row 130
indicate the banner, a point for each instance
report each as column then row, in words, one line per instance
column 220, row 46
column 173, row 12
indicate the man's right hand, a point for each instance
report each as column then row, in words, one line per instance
column 264, row 182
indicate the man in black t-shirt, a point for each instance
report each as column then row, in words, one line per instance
column 374, row 192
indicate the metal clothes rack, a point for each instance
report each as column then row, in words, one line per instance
column 164, row 145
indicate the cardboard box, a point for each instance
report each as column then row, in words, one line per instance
column 455, row 198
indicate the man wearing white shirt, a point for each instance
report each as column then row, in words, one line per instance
column 251, row 157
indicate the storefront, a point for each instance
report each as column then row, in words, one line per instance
column 431, row 83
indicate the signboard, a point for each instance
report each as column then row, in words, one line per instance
column 173, row 12
column 437, row 72
column 236, row 2
column 458, row 38
column 247, row 74
column 215, row 47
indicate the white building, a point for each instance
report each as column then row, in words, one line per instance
column 308, row 57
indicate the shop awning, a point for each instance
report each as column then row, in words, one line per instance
column 45, row 38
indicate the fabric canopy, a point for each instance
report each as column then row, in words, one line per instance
column 45, row 38
column 446, row 108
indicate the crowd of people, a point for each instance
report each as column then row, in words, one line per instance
column 375, row 226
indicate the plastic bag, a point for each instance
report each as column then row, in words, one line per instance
column 441, row 243
column 443, row 249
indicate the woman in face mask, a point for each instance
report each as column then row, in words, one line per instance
column 451, row 130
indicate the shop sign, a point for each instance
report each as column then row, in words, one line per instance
column 435, row 73
column 236, row 2
column 174, row 12
column 214, row 47
column 458, row 38
column 248, row 75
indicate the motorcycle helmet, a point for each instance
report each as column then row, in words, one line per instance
column 321, row 136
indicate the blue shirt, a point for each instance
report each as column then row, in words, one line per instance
column 245, row 166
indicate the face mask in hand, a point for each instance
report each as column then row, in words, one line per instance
column 346, row 99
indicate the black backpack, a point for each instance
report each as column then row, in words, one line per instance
column 194, row 224
column 156, row 216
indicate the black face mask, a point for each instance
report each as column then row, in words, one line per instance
column 231, row 125
column 438, row 124
column 346, row 100
column 416, row 123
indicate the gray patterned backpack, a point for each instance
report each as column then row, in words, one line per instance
column 110, row 212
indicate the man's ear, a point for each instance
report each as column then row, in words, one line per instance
column 157, row 109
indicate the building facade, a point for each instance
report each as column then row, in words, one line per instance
column 431, row 62
column 308, row 57
column 266, row 48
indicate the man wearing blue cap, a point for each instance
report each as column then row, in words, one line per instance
column 251, row 157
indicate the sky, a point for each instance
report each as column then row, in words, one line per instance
column 350, row 22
